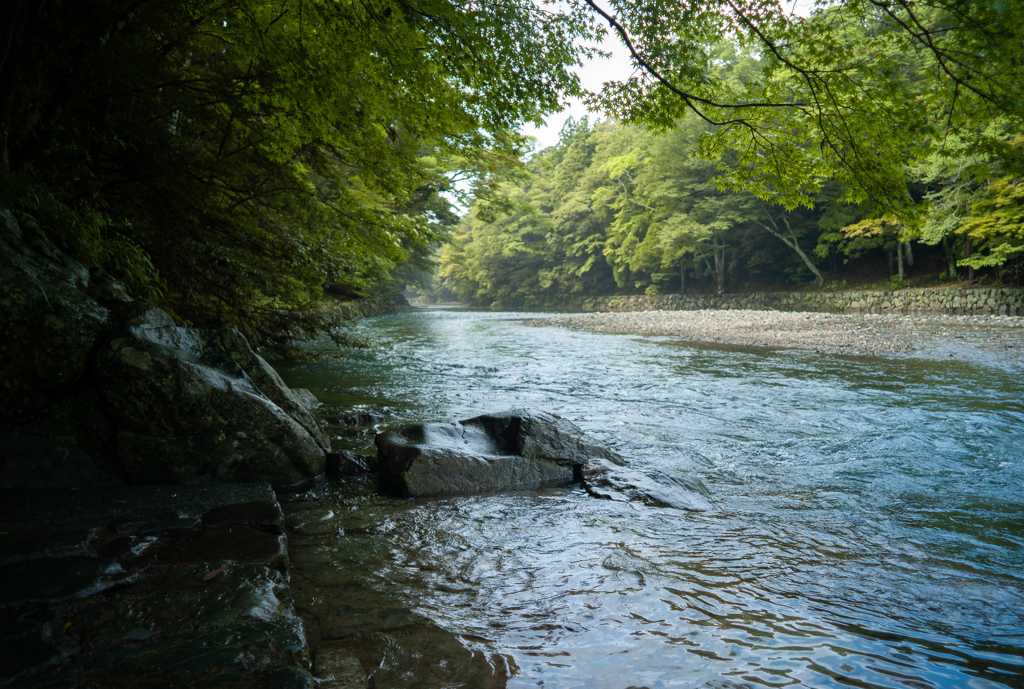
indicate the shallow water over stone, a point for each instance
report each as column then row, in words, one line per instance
column 867, row 526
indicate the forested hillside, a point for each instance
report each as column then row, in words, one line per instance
column 238, row 160
column 901, row 171
column 617, row 209
column 235, row 160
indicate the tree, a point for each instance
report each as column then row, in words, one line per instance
column 258, row 152
column 790, row 239
column 996, row 223
column 833, row 99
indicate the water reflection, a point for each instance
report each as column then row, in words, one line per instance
column 867, row 529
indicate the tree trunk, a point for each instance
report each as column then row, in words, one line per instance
column 909, row 254
column 899, row 258
column 14, row 16
column 795, row 246
column 818, row 279
column 720, row 267
column 970, row 269
column 950, row 259
column 682, row 278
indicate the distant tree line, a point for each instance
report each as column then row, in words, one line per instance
column 620, row 208
column 240, row 160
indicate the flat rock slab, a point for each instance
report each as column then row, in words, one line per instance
column 239, row 544
column 519, row 450
column 623, row 484
column 176, row 585
column 512, row 450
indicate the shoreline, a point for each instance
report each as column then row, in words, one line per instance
column 934, row 337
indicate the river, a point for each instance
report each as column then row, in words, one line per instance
column 867, row 527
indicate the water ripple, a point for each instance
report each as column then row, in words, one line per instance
column 867, row 529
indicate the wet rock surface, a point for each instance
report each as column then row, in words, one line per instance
column 140, row 586
column 513, row 450
column 345, row 463
column 182, row 414
column 603, row 479
column 98, row 389
column 362, row 633
column 357, row 421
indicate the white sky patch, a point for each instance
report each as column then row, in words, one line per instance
column 596, row 72
column 593, row 75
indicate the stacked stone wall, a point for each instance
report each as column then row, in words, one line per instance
column 983, row 301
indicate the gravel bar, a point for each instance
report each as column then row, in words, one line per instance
column 860, row 335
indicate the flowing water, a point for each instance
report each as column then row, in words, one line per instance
column 867, row 527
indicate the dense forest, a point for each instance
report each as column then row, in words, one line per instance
column 244, row 160
column 616, row 209
column 238, row 160
column 621, row 209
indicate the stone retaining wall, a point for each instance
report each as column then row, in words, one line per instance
column 377, row 305
column 1005, row 301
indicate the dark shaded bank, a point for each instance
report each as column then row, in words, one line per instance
column 147, row 587
column 142, row 543
column 126, row 557
column 99, row 389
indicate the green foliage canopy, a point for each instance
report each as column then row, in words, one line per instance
column 258, row 152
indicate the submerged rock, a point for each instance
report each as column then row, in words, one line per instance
column 361, row 419
column 622, row 484
column 345, row 463
column 513, row 450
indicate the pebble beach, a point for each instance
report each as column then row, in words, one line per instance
column 860, row 335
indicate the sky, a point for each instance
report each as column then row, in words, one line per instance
column 593, row 74
column 597, row 71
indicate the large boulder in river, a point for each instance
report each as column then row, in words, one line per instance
column 50, row 324
column 517, row 450
column 513, row 450
column 192, row 406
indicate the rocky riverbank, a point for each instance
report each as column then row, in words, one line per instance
column 148, row 586
column 865, row 335
column 99, row 389
column 126, row 559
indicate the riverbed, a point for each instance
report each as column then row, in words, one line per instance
column 866, row 529
column 992, row 339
